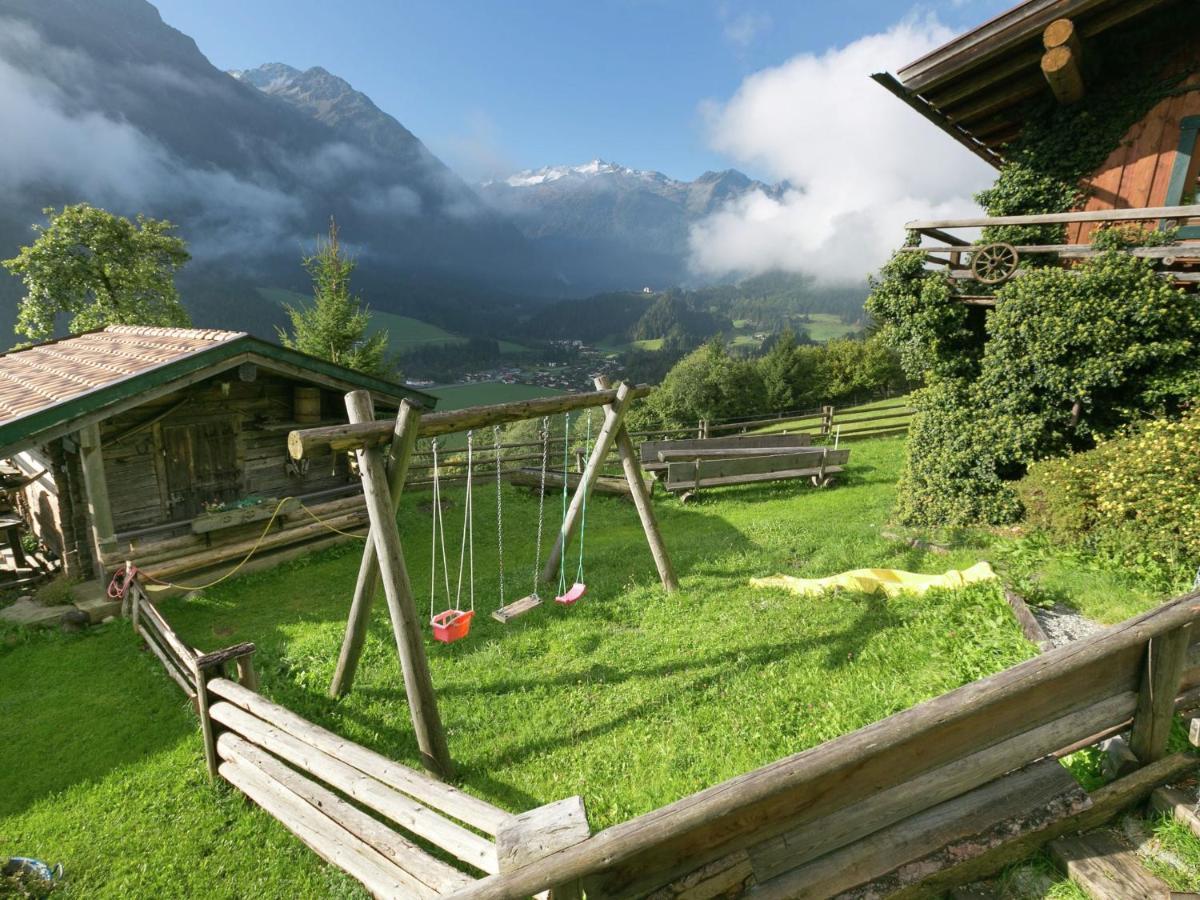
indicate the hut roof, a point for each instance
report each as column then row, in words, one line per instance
column 975, row 87
column 50, row 389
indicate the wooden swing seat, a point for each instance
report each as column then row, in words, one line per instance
column 517, row 608
column 577, row 590
column 452, row 625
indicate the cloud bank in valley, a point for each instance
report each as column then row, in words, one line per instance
column 860, row 163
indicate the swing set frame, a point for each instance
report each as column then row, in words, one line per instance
column 384, row 451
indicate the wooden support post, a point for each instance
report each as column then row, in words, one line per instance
column 604, row 441
column 406, row 625
column 247, row 676
column 404, row 439
column 826, row 419
column 202, row 675
column 1161, row 673
column 95, row 487
column 641, row 500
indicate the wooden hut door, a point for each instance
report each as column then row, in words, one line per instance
column 202, row 466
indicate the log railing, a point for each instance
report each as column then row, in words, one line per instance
column 804, row 825
column 301, row 774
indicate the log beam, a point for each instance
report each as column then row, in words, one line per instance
column 356, row 435
column 406, row 625
column 613, row 417
column 95, row 487
column 1062, row 72
column 404, row 439
column 632, row 466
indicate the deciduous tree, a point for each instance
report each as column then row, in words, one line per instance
column 99, row 269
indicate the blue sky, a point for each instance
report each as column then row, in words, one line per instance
column 496, row 86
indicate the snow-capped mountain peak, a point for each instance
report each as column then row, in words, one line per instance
column 547, row 174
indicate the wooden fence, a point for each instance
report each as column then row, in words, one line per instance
column 360, row 811
column 937, row 794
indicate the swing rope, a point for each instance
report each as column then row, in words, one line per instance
column 583, row 511
column 439, row 536
column 468, row 536
column 499, row 513
column 537, row 552
column 562, row 556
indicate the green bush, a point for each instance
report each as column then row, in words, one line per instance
column 951, row 468
column 1134, row 496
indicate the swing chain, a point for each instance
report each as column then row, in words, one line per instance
column 537, row 552
column 499, row 513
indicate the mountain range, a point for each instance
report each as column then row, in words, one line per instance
column 609, row 226
column 119, row 109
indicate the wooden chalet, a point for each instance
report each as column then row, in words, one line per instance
column 168, row 447
column 980, row 88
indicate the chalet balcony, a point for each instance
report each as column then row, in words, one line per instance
column 978, row 267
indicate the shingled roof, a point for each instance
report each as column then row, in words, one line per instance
column 50, row 389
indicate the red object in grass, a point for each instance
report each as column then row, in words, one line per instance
column 577, row 590
column 452, row 625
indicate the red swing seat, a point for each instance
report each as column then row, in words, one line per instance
column 574, row 592
column 452, row 625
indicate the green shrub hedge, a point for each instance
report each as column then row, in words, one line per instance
column 1135, row 496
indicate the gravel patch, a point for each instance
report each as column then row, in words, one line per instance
column 1063, row 624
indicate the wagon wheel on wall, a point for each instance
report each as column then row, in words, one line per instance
column 994, row 263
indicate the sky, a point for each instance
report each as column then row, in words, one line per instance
column 493, row 87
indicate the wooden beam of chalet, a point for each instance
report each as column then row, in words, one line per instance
column 1062, row 72
column 356, row 436
column 1062, row 33
column 1090, row 215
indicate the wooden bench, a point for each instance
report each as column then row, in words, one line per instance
column 820, row 464
column 656, row 454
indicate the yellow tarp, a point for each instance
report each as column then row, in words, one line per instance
column 890, row 581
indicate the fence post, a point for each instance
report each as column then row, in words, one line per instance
column 826, row 419
column 205, row 668
column 1166, row 656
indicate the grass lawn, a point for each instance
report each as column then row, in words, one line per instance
column 632, row 698
column 826, row 326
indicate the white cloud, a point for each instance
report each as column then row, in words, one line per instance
column 742, row 29
column 53, row 139
column 861, row 163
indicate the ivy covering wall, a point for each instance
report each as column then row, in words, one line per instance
column 1066, row 357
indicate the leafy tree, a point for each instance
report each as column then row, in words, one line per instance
column 334, row 326
column 99, row 269
column 709, row 384
column 789, row 375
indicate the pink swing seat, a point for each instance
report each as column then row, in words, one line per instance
column 452, row 625
column 577, row 590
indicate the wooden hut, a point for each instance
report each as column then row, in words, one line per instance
column 168, row 446
column 981, row 87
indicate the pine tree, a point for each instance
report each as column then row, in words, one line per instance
column 334, row 326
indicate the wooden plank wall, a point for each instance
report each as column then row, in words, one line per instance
column 136, row 468
column 1136, row 173
column 41, row 498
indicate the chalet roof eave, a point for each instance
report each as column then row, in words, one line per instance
column 58, row 419
column 914, row 100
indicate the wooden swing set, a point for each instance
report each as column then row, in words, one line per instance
column 384, row 452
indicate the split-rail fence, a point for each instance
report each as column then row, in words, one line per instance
column 936, row 795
